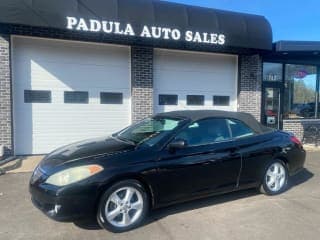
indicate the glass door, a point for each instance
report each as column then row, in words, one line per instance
column 272, row 94
column 271, row 109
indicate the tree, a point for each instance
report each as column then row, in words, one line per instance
column 302, row 94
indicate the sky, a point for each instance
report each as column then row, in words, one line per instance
column 290, row 20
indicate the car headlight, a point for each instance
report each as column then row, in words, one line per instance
column 73, row 175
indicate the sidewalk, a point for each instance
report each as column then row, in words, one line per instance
column 311, row 148
column 23, row 164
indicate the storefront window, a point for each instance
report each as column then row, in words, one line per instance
column 318, row 112
column 272, row 72
column 300, row 91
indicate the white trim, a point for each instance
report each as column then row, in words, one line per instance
column 130, row 85
column 13, row 93
column 195, row 52
column 72, row 40
column 237, row 80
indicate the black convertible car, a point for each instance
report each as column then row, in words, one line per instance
column 168, row 158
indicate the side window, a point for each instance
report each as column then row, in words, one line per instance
column 111, row 98
column 37, row 96
column 221, row 100
column 168, row 99
column 205, row 132
column 195, row 100
column 239, row 129
column 76, row 97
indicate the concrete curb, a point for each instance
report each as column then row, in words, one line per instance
column 311, row 148
column 22, row 164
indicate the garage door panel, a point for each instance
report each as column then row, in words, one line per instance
column 198, row 62
column 73, row 76
column 57, row 98
column 208, row 103
column 192, row 73
column 169, row 80
column 186, row 72
column 59, row 66
column 51, row 51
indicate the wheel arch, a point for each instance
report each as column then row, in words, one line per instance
column 284, row 160
column 145, row 184
column 267, row 164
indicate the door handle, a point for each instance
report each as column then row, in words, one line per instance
column 233, row 152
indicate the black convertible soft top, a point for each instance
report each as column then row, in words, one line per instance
column 195, row 115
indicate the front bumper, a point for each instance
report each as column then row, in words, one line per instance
column 56, row 204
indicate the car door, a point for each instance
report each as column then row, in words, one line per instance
column 210, row 162
column 255, row 149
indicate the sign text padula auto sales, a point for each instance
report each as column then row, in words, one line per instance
column 111, row 27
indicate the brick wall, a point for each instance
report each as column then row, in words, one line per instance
column 141, row 82
column 298, row 127
column 249, row 98
column 5, row 94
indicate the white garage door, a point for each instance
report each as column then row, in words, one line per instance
column 67, row 91
column 192, row 80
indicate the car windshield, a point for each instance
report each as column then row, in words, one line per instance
column 149, row 131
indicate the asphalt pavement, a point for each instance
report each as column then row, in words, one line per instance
column 240, row 215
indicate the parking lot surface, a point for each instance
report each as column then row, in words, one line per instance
column 240, row 215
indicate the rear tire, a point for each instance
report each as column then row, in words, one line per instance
column 123, row 206
column 275, row 179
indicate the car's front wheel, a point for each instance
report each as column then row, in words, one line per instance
column 123, row 206
column 275, row 179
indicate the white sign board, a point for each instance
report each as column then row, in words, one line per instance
column 152, row 32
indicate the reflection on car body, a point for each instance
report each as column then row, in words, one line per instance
column 168, row 158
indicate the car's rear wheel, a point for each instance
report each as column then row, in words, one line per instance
column 275, row 179
column 123, row 206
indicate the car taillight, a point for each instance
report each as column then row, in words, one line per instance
column 295, row 140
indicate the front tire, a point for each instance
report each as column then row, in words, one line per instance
column 275, row 179
column 123, row 206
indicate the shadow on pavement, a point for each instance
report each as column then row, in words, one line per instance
column 155, row 215
column 14, row 163
column 198, row 204
column 300, row 178
column 88, row 224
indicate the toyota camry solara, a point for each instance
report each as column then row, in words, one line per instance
column 168, row 158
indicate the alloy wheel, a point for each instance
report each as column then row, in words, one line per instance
column 276, row 177
column 124, row 207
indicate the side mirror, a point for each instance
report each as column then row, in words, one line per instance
column 177, row 144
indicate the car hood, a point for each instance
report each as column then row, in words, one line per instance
column 85, row 149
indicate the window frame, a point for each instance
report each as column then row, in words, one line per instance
column 194, row 95
column 162, row 144
column 220, row 105
column 114, row 93
column 317, row 90
column 79, row 103
column 175, row 95
column 282, row 85
column 246, row 125
column 282, row 71
column 205, row 144
column 34, row 91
